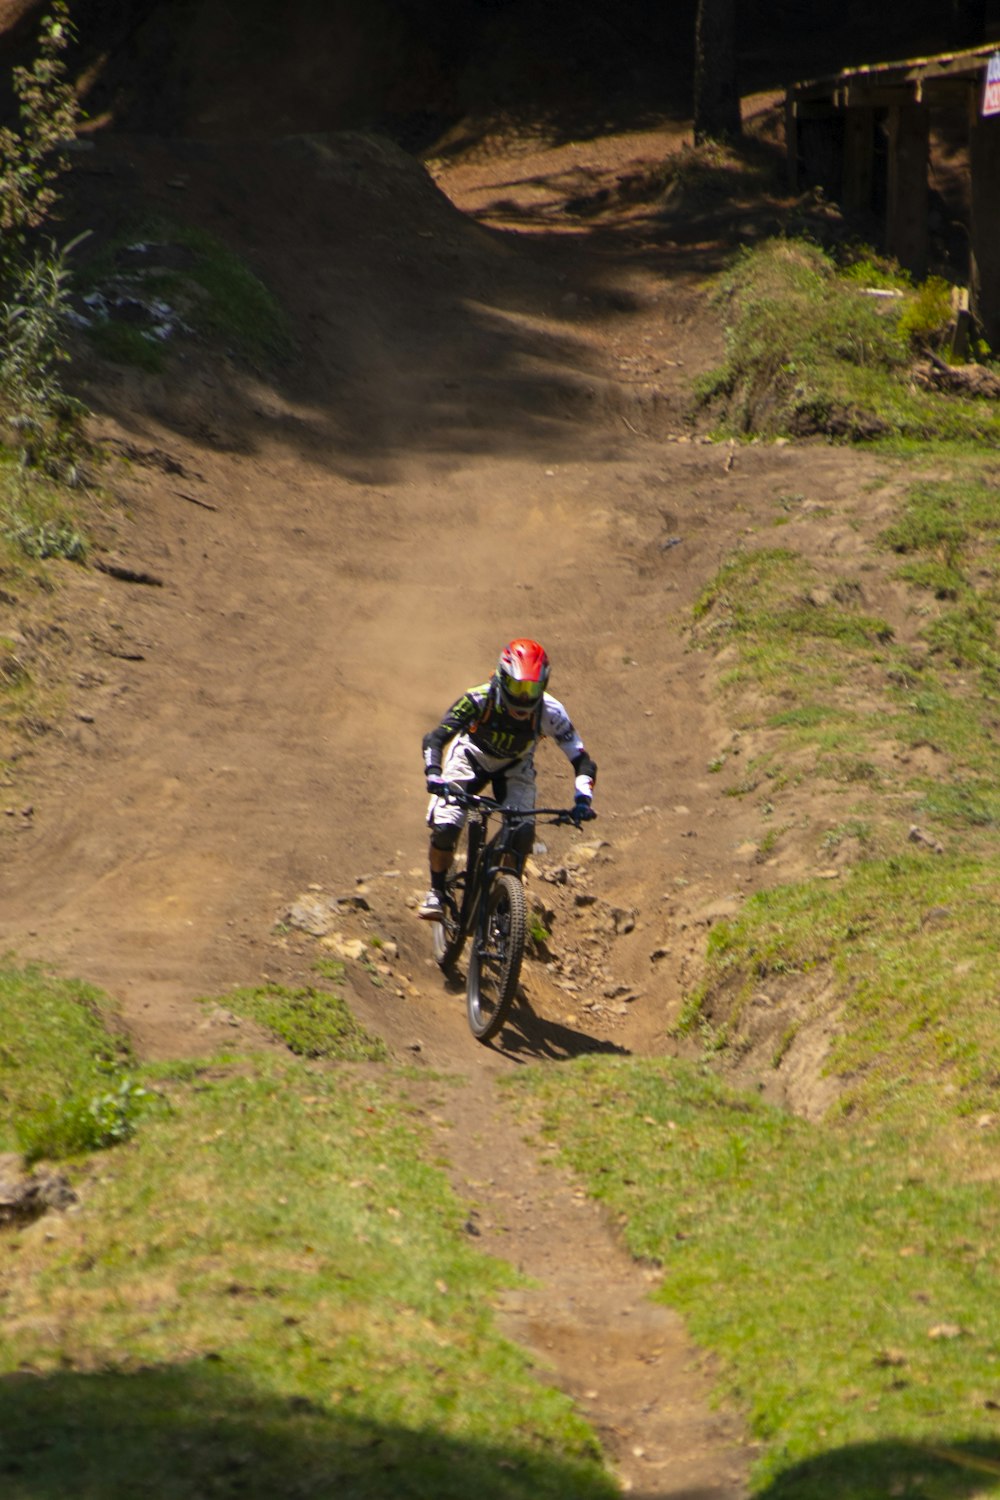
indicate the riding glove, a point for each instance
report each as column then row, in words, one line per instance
column 582, row 810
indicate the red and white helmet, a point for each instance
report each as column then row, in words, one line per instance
column 522, row 672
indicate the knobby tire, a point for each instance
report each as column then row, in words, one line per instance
column 495, row 962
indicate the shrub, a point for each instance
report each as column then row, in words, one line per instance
column 33, row 322
column 30, row 162
column 927, row 312
column 73, row 1126
column 809, row 351
column 34, row 297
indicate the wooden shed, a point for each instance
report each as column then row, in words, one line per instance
column 864, row 134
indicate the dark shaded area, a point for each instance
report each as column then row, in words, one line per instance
column 184, row 1432
column 437, row 72
column 420, row 331
column 527, row 1037
column 871, row 1471
column 417, row 330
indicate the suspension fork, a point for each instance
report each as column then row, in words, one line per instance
column 475, row 858
column 498, row 855
column 506, row 854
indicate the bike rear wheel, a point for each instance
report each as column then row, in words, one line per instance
column 449, row 939
column 495, row 962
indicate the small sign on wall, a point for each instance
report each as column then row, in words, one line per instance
column 991, row 95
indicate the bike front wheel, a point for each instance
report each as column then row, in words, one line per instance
column 495, row 963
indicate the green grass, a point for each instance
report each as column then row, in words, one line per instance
column 126, row 344
column 826, row 1272
column 266, row 1289
column 949, row 531
column 805, row 659
column 64, row 1072
column 904, row 951
column 311, row 1022
column 210, row 290
column 808, row 352
column 237, row 307
column 815, row 1261
column 39, row 519
column 796, row 652
column 269, row 1291
column 764, row 600
column 42, row 531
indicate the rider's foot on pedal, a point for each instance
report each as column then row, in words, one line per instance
column 431, row 908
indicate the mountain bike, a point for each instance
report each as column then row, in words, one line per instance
column 484, row 901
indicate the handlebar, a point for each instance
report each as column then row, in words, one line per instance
column 452, row 791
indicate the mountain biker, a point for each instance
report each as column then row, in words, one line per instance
column 493, row 730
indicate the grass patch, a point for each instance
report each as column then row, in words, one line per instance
column 270, row 1292
column 311, row 1022
column 158, row 280
column 237, row 307
column 961, row 803
column 84, row 1122
column 830, row 678
column 808, row 352
column 698, row 179
column 949, row 532
column 846, row 1282
column 802, row 716
column 907, row 952
column 126, row 344
column 790, row 639
column 40, row 532
column 65, row 1073
column 38, row 520
column 896, row 960
column 537, row 930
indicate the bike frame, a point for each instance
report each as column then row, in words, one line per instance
column 486, row 854
column 486, row 902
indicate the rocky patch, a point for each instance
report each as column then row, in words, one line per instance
column 26, row 1197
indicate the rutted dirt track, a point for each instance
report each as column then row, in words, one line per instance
column 478, row 440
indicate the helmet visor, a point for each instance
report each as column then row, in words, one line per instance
column 523, row 693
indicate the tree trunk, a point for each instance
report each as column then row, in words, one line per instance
column 716, row 94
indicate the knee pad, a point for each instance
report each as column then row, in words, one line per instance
column 445, row 837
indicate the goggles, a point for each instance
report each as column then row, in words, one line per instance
column 520, row 691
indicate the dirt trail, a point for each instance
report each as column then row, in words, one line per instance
column 478, row 442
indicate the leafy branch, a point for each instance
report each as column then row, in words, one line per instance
column 30, row 158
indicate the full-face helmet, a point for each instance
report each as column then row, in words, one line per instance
column 522, row 672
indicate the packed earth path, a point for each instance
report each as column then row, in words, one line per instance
column 483, row 435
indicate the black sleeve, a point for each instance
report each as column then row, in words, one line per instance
column 463, row 712
column 584, row 766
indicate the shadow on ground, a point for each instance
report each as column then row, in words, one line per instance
column 197, row 1429
column 871, row 1471
column 417, row 329
column 530, row 1037
column 188, row 1431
